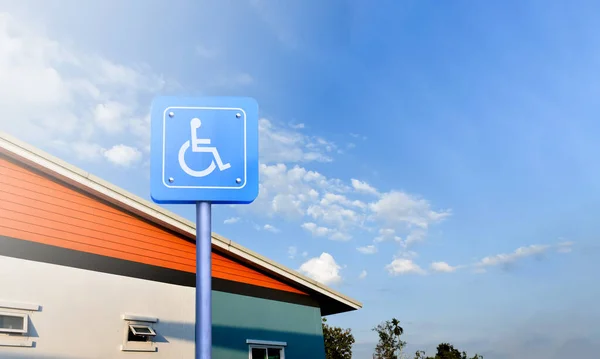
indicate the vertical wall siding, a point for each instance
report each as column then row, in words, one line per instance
column 35, row 208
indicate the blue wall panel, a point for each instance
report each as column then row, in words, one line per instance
column 237, row 318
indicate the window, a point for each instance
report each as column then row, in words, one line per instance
column 260, row 349
column 266, row 353
column 13, row 323
column 139, row 334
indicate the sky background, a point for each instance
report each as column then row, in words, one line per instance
column 437, row 161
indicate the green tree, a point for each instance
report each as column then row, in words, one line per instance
column 338, row 342
column 390, row 345
column 421, row 355
column 447, row 351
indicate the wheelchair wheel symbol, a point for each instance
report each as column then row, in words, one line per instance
column 195, row 124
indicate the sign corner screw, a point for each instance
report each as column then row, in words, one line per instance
column 238, row 180
column 171, row 179
column 238, row 115
column 171, row 114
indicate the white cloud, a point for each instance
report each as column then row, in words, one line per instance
column 54, row 95
column 292, row 251
column 287, row 204
column 442, row 267
column 304, row 254
column 362, row 274
column 334, row 214
column 403, row 266
column 522, row 252
column 315, row 230
column 287, row 192
column 328, row 207
column 323, row 269
column 370, row 249
column 363, row 187
column 231, row 220
column 504, row 259
column 339, row 236
column 407, row 254
column 282, row 145
column 415, row 235
column 387, row 234
column 123, row 155
column 111, row 116
column 271, row 228
column 330, row 199
column 319, row 231
column 297, row 126
column 402, row 208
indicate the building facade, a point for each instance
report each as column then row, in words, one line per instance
column 88, row 270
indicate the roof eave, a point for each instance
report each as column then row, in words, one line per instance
column 105, row 190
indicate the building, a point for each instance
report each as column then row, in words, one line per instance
column 88, row 270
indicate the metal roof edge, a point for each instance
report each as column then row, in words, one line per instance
column 153, row 212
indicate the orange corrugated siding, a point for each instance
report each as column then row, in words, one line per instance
column 35, row 208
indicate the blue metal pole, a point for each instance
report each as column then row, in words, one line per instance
column 203, row 281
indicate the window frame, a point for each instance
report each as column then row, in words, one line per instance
column 147, row 326
column 263, row 344
column 17, row 339
column 132, row 321
column 23, row 316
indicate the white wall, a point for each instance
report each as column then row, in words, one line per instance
column 81, row 310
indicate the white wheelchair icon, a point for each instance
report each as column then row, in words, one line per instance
column 195, row 124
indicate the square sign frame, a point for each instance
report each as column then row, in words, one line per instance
column 204, row 149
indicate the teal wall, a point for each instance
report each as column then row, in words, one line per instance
column 237, row 318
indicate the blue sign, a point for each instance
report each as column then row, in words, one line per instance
column 204, row 149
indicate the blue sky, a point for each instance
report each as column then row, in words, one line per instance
column 446, row 149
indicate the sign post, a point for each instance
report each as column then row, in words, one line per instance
column 203, row 281
column 204, row 150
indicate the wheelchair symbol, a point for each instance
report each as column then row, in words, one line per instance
column 195, row 124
